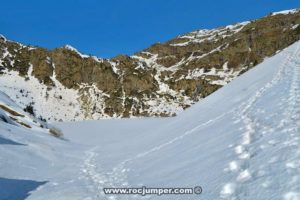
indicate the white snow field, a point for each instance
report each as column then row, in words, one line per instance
column 240, row 143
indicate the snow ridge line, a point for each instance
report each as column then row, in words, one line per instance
column 236, row 189
column 185, row 134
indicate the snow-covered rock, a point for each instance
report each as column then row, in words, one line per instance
column 241, row 142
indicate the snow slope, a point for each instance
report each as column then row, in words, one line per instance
column 30, row 157
column 241, row 142
column 51, row 104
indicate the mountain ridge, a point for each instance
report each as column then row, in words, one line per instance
column 162, row 80
column 241, row 142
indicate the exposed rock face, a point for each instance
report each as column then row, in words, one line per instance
column 158, row 81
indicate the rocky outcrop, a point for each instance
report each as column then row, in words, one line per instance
column 158, row 81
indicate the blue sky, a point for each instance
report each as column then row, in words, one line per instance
column 106, row 28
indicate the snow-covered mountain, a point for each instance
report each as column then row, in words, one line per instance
column 162, row 80
column 241, row 142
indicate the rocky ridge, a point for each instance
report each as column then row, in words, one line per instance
column 162, row 80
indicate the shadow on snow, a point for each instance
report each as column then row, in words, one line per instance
column 9, row 142
column 14, row 189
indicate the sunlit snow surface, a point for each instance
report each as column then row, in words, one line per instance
column 286, row 12
column 242, row 142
